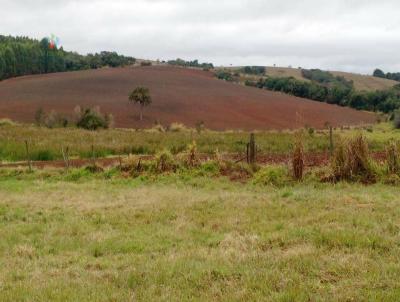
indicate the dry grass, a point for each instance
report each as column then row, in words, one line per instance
column 352, row 161
column 285, row 72
column 367, row 83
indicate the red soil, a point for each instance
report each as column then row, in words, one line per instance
column 179, row 95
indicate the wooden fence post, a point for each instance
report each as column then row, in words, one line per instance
column 251, row 150
column 28, row 155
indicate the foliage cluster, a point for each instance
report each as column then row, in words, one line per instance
column 89, row 119
column 24, row 56
column 336, row 92
column 391, row 76
column 194, row 63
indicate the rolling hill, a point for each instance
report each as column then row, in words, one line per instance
column 179, row 95
column 361, row 82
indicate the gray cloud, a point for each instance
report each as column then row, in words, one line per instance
column 353, row 35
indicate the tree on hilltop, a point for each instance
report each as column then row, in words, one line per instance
column 141, row 96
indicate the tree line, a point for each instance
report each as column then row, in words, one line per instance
column 336, row 92
column 24, row 56
column 391, row 76
column 194, row 63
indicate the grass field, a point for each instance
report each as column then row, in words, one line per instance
column 213, row 231
column 176, row 238
column 46, row 144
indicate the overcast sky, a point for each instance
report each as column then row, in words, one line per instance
column 349, row 35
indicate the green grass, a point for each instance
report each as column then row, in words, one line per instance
column 184, row 237
column 46, row 144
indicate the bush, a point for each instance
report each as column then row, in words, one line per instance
column 165, row 161
column 146, row 63
column 55, row 120
column 6, row 122
column 271, row 175
column 131, row 163
column 177, row 127
column 92, row 119
column 191, row 155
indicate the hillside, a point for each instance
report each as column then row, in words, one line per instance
column 179, row 95
column 361, row 82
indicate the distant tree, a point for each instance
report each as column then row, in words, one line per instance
column 141, row 96
column 379, row 73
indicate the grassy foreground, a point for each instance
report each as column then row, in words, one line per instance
column 179, row 239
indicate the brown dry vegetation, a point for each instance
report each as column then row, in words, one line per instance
column 179, row 95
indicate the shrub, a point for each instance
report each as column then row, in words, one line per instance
column 200, row 127
column 131, row 163
column 165, row 161
column 190, row 157
column 43, row 155
column 271, row 175
column 146, row 63
column 54, row 120
column 92, row 119
column 177, row 127
column 6, row 122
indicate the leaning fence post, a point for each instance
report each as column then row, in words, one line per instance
column 331, row 140
column 28, row 155
column 251, row 150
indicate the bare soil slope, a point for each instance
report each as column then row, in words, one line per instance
column 179, row 95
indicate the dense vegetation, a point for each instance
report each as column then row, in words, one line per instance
column 325, row 77
column 391, row 76
column 24, row 56
column 324, row 87
column 255, row 70
column 194, row 63
column 89, row 119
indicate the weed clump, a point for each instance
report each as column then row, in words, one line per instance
column 272, row 175
column 6, row 122
column 190, row 156
column 165, row 161
column 177, row 127
column 131, row 164
column 94, row 168
column 393, row 158
column 351, row 161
